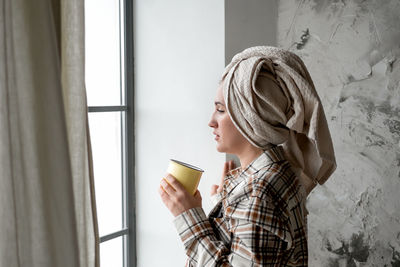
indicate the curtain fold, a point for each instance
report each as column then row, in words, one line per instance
column 75, row 103
column 47, row 208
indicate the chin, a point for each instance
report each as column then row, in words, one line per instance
column 222, row 149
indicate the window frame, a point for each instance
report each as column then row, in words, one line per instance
column 130, row 257
column 127, row 112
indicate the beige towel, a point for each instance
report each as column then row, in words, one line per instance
column 271, row 99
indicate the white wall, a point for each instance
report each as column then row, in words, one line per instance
column 179, row 58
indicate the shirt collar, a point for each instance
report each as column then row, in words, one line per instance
column 237, row 176
column 269, row 156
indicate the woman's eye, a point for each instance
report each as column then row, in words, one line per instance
column 220, row 110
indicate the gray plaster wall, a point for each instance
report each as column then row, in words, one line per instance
column 352, row 50
column 249, row 23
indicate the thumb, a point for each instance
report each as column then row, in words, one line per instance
column 197, row 194
column 214, row 188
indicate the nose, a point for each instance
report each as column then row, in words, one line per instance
column 212, row 123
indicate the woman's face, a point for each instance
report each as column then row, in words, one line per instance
column 229, row 139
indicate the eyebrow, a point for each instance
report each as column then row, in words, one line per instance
column 218, row 103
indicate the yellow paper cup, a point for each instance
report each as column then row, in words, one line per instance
column 188, row 175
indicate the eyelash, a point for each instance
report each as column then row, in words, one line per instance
column 221, row 111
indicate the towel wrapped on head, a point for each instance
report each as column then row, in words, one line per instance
column 271, row 99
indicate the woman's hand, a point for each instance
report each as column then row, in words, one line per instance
column 228, row 166
column 175, row 196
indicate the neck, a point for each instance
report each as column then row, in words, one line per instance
column 248, row 154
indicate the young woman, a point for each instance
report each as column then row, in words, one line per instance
column 268, row 113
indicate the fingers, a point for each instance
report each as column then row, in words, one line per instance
column 231, row 165
column 228, row 166
column 164, row 195
column 175, row 183
column 162, row 192
column 225, row 169
column 214, row 188
column 220, row 188
column 197, row 195
column 175, row 200
column 166, row 187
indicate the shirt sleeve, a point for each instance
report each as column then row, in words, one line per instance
column 216, row 198
column 251, row 244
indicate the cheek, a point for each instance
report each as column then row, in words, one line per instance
column 229, row 128
column 228, row 122
column 225, row 123
column 236, row 138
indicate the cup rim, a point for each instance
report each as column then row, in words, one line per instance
column 187, row 165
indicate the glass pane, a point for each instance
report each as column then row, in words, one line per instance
column 102, row 52
column 111, row 253
column 105, row 132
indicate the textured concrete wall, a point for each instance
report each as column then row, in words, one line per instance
column 352, row 49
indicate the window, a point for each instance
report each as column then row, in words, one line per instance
column 109, row 85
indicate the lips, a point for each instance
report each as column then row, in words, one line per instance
column 216, row 136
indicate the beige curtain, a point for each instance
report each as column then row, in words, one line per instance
column 47, row 209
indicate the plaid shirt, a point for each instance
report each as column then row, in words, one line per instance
column 259, row 219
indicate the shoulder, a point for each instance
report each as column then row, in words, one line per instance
column 277, row 183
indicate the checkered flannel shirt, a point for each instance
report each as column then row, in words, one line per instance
column 259, row 219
